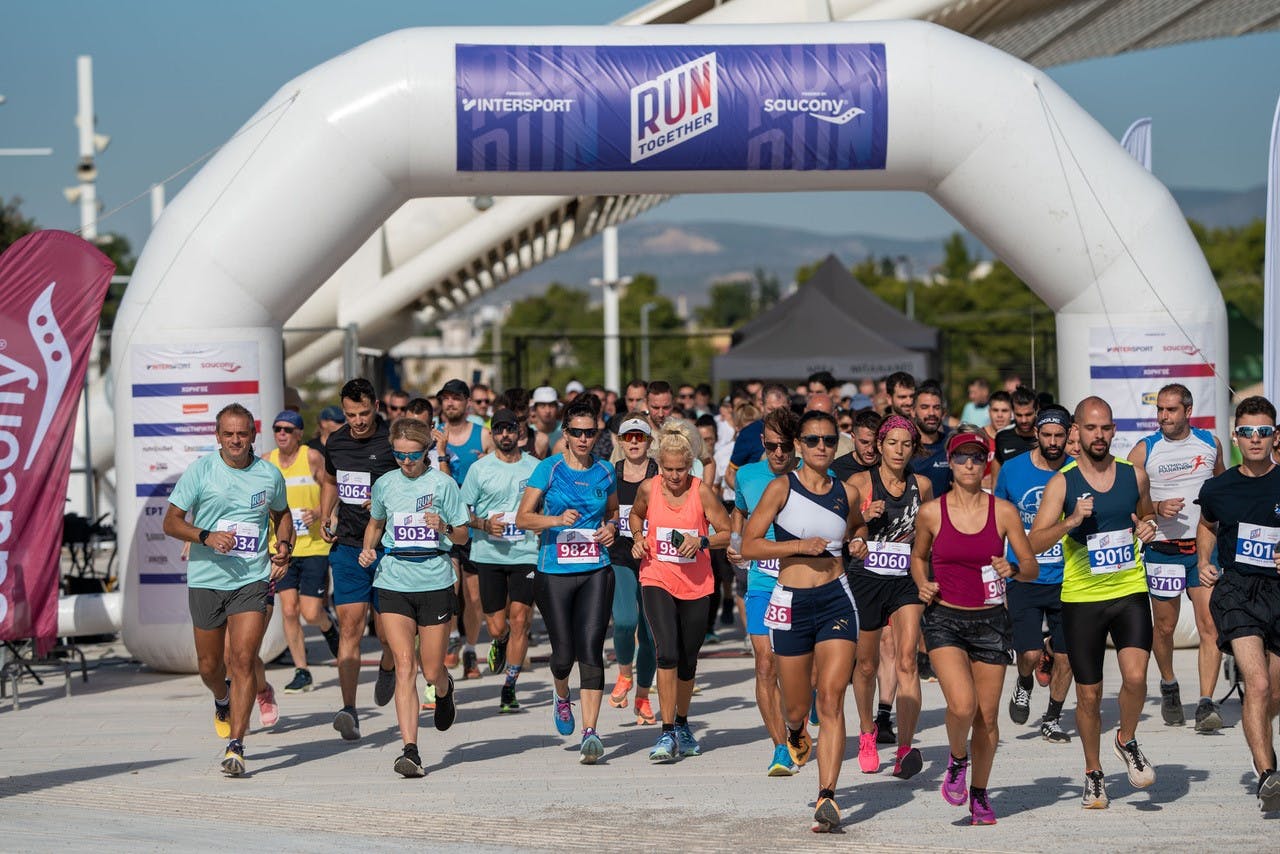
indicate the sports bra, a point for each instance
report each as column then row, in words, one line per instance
column 808, row 514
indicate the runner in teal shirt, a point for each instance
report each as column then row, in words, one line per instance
column 416, row 556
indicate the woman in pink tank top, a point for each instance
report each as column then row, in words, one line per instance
column 967, row 631
column 676, row 580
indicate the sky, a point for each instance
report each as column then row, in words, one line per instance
column 173, row 80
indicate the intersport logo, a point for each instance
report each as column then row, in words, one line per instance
column 674, row 107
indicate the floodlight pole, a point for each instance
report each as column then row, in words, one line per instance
column 611, row 286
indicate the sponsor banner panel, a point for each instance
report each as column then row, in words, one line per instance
column 1129, row 365
column 549, row 108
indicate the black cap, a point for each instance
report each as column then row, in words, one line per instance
column 457, row 387
column 503, row 416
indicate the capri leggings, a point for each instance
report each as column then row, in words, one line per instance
column 678, row 627
column 1087, row 624
column 631, row 639
column 576, row 610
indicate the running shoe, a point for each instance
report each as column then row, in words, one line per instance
column 592, row 748
column 884, row 729
column 233, row 759
column 799, row 745
column 666, row 750
column 268, row 709
column 428, row 697
column 955, row 790
column 507, row 701
column 222, row 718
column 826, row 817
column 1171, row 705
column 1020, row 704
column 409, row 763
column 868, row 753
column 688, row 744
column 644, row 712
column 498, row 654
column 347, row 723
column 451, row 654
column 781, row 765
column 446, row 709
column 710, row 638
column 1044, row 668
column 384, row 690
column 813, row 709
column 1208, row 718
column 1095, row 791
column 331, row 636
column 301, row 682
column 562, row 714
column 1051, row 731
column 1141, row 774
column 470, row 664
column 907, row 763
column 924, row 669
column 1269, row 791
column 980, row 811
column 621, row 689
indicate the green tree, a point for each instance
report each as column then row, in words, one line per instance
column 731, row 304
column 957, row 263
column 13, row 224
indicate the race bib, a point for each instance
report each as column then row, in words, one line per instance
column 770, row 567
column 510, row 533
column 624, row 520
column 668, row 552
column 888, row 558
column 248, row 537
column 1256, row 545
column 1053, row 554
column 576, row 546
column 1166, row 579
column 778, row 615
column 1111, row 551
column 410, row 530
column 992, row 586
column 354, row 487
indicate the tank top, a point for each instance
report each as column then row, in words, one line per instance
column 302, row 492
column 962, row 562
column 808, row 514
column 1102, row 560
column 889, row 535
column 462, row 456
column 1177, row 468
column 682, row 577
column 620, row 551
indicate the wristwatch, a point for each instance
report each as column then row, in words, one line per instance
column 287, row 544
column 704, row 543
column 204, row 535
column 448, row 529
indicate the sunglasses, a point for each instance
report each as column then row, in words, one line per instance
column 481, row 401
column 686, row 397
column 505, row 428
column 582, row 432
column 773, row 447
column 812, row 441
column 634, row 436
column 408, row 456
column 978, row 458
column 391, row 408
column 284, row 428
column 1248, row 431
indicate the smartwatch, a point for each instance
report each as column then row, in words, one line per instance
column 703, row 542
column 204, row 535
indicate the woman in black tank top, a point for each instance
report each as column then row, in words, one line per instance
column 879, row 575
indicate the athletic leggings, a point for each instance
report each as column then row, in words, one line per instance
column 576, row 610
column 628, row 622
column 678, row 627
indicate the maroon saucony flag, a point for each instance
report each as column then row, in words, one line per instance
column 52, row 285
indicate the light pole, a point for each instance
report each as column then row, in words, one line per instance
column 905, row 265
column 91, row 143
column 644, row 338
column 611, row 286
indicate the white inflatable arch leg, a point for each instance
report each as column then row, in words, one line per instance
column 337, row 150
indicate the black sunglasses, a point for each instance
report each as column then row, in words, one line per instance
column 812, row 441
column 582, row 432
column 771, row 447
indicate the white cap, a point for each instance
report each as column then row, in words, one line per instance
column 848, row 390
column 633, row 424
column 574, row 386
column 545, row 394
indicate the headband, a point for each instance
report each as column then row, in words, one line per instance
column 1053, row 416
column 897, row 422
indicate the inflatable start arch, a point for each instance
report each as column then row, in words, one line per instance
column 603, row 110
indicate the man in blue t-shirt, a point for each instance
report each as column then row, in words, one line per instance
column 748, row 445
column 231, row 497
column 1033, row 603
column 930, row 412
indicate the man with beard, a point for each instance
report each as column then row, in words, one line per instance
column 901, row 388
column 865, row 454
column 1022, row 438
column 1034, row 603
column 1100, row 509
column 930, row 412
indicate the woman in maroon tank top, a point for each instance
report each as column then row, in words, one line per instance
column 961, row 537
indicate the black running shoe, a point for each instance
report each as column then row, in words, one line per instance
column 498, row 654
column 331, row 638
column 446, row 709
column 1269, row 791
column 884, row 729
column 300, row 683
column 1171, row 705
column 507, row 702
column 1020, row 704
column 1208, row 718
column 409, row 763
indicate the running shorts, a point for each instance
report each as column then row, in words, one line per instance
column 425, row 608
column 1087, row 624
column 1246, row 606
column 500, row 582
column 801, row 618
column 1031, row 606
column 308, row 575
column 879, row 596
column 210, row 608
column 985, row 635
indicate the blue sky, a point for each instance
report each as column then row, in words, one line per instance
column 175, row 79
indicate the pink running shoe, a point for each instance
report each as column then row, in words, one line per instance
column 868, row 755
column 980, row 811
column 268, row 711
column 954, row 788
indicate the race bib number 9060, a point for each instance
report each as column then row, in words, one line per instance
column 888, row 558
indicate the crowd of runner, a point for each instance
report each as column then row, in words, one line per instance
column 862, row 537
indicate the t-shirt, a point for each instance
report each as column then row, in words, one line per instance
column 222, row 498
column 1177, row 468
column 570, row 550
column 493, row 486
column 356, row 465
column 402, row 501
column 1009, row 444
column 978, row 416
column 847, row 465
column 1247, row 510
column 1022, row 482
column 933, row 464
column 753, row 479
column 748, row 446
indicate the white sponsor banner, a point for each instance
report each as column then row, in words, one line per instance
column 1271, row 269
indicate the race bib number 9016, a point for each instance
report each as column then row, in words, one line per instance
column 1110, row 552
column 1256, row 545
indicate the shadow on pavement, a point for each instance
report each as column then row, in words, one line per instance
column 23, row 784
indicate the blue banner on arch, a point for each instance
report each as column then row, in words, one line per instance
column 570, row 108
